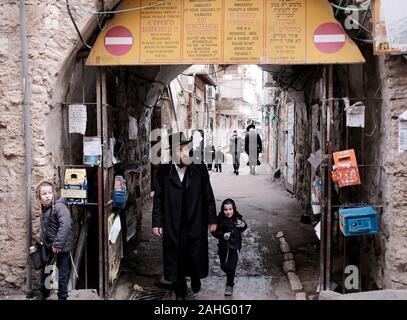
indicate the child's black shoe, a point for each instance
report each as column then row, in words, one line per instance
column 228, row 291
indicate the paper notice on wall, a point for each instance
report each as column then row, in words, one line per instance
column 115, row 230
column 133, row 129
column 92, row 146
column 355, row 115
column 318, row 230
column 77, row 118
column 315, row 159
column 112, row 145
column 403, row 132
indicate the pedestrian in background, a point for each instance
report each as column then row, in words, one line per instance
column 235, row 148
column 219, row 159
column 253, row 147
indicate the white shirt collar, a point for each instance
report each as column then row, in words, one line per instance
column 181, row 172
column 179, row 168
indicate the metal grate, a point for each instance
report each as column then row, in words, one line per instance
column 152, row 294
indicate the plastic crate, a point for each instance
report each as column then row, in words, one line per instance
column 358, row 221
column 119, row 198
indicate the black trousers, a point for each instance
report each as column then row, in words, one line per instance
column 184, row 270
column 218, row 166
column 236, row 161
column 62, row 265
column 228, row 262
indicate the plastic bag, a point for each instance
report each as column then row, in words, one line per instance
column 51, row 281
column 38, row 256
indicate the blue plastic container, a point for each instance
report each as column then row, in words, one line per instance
column 119, row 198
column 358, row 221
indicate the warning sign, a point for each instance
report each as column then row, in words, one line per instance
column 243, row 31
column 285, row 31
column 160, row 32
column 202, row 31
column 329, row 37
column 118, row 41
column 224, row 32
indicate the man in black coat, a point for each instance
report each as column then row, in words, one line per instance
column 183, row 211
column 253, row 147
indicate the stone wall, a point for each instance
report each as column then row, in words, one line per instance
column 394, row 90
column 52, row 40
column 384, row 256
column 302, row 147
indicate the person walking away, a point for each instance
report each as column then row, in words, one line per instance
column 219, row 159
column 235, row 148
column 209, row 156
column 230, row 227
column 253, row 147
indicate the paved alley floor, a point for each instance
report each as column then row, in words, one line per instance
column 267, row 208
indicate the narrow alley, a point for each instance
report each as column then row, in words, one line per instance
column 111, row 108
column 267, row 208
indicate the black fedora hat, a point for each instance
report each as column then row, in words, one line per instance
column 250, row 126
column 178, row 139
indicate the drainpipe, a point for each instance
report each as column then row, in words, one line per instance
column 27, row 140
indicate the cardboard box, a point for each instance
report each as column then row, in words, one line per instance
column 75, row 190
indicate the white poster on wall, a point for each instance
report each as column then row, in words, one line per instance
column 317, row 229
column 355, row 114
column 77, row 118
column 133, row 129
column 92, row 146
column 92, row 150
column 403, row 132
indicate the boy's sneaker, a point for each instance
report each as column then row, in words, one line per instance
column 228, row 291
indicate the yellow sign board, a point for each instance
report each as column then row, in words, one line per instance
column 202, row 32
column 224, row 32
column 243, row 33
column 73, row 193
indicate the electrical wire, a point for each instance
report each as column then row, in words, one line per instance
column 76, row 27
column 349, row 9
column 75, row 7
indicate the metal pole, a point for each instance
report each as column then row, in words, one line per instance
column 27, row 142
column 329, row 178
column 85, row 208
column 100, row 183
column 86, row 247
column 78, row 256
column 322, row 279
column 105, row 184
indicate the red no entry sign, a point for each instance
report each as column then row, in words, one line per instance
column 118, row 41
column 329, row 37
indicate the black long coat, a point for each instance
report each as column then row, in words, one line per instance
column 199, row 210
column 253, row 146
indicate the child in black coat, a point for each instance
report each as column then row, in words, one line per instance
column 229, row 232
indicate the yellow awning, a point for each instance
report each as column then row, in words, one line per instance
column 224, row 32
